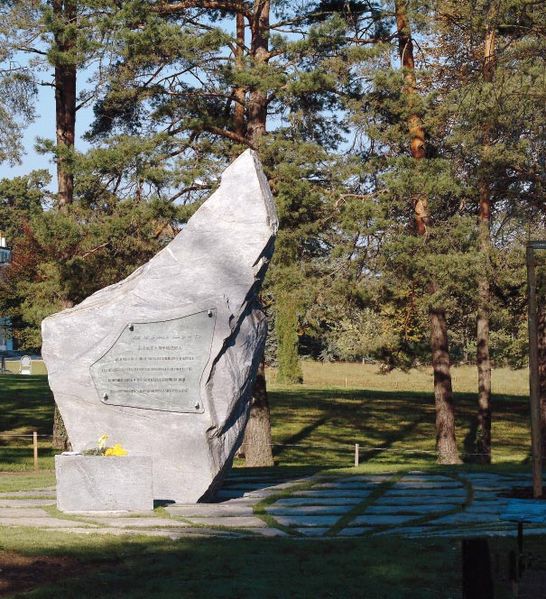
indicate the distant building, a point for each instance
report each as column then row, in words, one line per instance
column 6, row 334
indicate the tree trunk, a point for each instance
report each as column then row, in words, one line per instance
column 259, row 50
column 541, row 326
column 65, row 100
column 446, row 444
column 483, row 360
column 65, row 121
column 257, row 441
column 239, row 92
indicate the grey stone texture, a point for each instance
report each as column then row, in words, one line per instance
column 231, row 521
column 216, row 263
column 299, row 521
column 98, row 483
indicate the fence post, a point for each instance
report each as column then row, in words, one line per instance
column 357, row 454
column 35, row 446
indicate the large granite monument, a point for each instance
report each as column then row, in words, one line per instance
column 164, row 362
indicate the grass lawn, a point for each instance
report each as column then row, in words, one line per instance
column 145, row 567
column 391, row 417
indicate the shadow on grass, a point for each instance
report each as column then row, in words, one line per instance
column 321, row 426
column 26, row 403
column 250, row 567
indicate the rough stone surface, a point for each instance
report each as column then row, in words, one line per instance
column 98, row 483
column 216, row 263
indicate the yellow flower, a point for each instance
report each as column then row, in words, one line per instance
column 117, row 450
column 102, row 441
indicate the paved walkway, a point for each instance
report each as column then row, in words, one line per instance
column 414, row 505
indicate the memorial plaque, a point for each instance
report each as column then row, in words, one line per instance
column 157, row 365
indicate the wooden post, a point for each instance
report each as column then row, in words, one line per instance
column 357, row 454
column 35, row 446
column 534, row 385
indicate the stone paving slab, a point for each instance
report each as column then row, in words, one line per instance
column 309, row 512
column 232, row 522
column 139, row 522
column 396, row 500
column 42, row 522
column 467, row 518
column 460, row 492
column 422, row 509
column 306, row 510
column 269, row 532
column 405, row 484
column 261, row 494
column 22, row 503
column 373, row 478
column 304, row 521
column 173, row 534
column 21, row 512
column 355, row 531
column 299, row 501
column 31, row 493
column 380, row 520
column 346, row 485
column 332, row 493
column 312, row 531
column 210, row 510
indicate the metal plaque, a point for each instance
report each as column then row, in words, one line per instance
column 157, row 365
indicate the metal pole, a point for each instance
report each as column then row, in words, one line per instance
column 357, row 454
column 534, row 383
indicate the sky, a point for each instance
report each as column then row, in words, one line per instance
column 44, row 126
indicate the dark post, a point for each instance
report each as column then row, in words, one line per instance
column 534, row 396
column 477, row 578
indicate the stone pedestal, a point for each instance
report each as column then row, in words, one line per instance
column 98, row 483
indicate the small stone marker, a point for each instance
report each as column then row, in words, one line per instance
column 164, row 362
column 98, row 483
column 26, row 365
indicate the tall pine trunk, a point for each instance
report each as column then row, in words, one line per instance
column 483, row 359
column 65, row 98
column 65, row 121
column 257, row 442
column 541, row 326
column 446, row 444
column 239, row 91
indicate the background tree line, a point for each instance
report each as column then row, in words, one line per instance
column 403, row 141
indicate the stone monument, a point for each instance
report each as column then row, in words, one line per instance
column 164, row 361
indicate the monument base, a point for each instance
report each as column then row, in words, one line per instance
column 99, row 483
